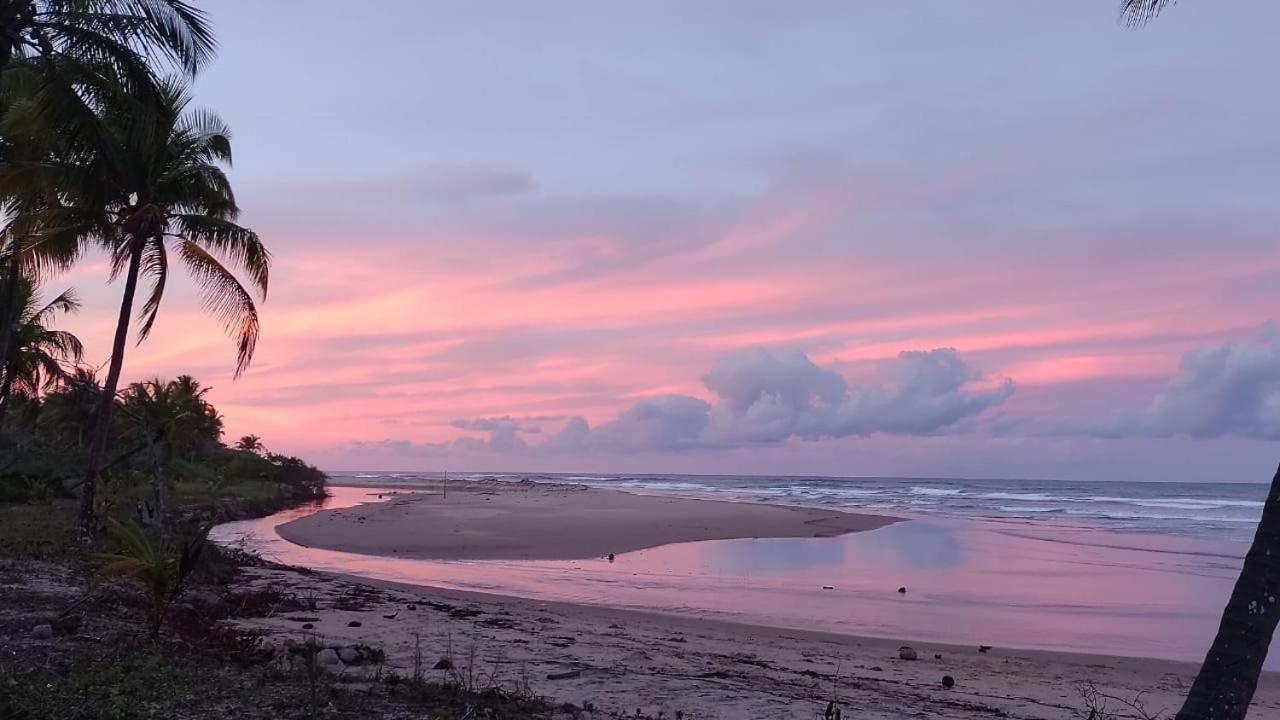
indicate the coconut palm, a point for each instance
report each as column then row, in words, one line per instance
column 251, row 444
column 159, row 183
column 125, row 33
column 38, row 355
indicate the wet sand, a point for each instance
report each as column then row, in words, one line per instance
column 621, row 661
column 537, row 521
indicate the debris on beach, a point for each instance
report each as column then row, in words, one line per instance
column 948, row 681
column 564, row 675
column 903, row 590
column 906, row 652
column 828, row 587
column 984, row 648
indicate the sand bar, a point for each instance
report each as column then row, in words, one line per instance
column 537, row 521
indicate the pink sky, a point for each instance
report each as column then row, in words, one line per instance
column 656, row 216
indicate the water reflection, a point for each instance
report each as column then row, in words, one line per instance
column 1023, row 584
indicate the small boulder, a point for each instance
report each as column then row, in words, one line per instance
column 937, row 656
column 42, row 632
column 308, row 626
column 349, row 655
column 443, row 664
column 902, row 590
column 327, row 656
column 948, row 681
column 906, row 652
column 354, row 623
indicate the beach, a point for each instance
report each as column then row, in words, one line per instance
column 492, row 520
column 620, row 662
column 747, row 625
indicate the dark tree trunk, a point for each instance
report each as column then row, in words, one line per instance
column 6, row 389
column 1224, row 687
column 102, row 422
column 9, row 317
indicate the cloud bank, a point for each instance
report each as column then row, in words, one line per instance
column 761, row 398
column 1231, row 389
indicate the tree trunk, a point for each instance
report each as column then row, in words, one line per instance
column 6, row 389
column 102, row 423
column 1224, row 687
column 9, row 318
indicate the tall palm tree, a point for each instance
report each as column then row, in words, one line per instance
column 159, row 182
column 53, row 55
column 38, row 355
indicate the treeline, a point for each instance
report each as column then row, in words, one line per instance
column 166, row 442
column 102, row 151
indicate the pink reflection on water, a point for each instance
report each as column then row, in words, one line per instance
column 1028, row 584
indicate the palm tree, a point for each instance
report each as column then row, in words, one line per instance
column 37, row 354
column 53, row 55
column 159, row 183
column 175, row 424
column 124, row 33
column 251, row 444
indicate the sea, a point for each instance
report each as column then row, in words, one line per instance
column 1118, row 568
column 1219, row 510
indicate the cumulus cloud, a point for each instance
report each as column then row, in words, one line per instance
column 1229, row 389
column 763, row 398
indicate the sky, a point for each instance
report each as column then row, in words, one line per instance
column 842, row 238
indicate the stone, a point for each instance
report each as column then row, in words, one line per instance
column 308, row 626
column 984, row 648
column 354, row 623
column 948, row 681
column 937, row 656
column 443, row 664
column 42, row 632
column 328, row 657
column 902, row 590
column 906, row 652
column 349, row 655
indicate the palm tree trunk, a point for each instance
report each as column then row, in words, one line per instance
column 10, row 311
column 6, row 389
column 1224, row 687
column 102, row 422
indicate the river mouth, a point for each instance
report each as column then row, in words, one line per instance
column 1023, row 584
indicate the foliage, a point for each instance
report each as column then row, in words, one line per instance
column 39, row 358
column 160, row 563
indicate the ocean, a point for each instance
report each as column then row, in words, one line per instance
column 1218, row 511
column 1122, row 568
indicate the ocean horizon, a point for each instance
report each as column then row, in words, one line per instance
column 1209, row 510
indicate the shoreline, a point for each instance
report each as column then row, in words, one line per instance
column 493, row 520
column 626, row 658
column 622, row 660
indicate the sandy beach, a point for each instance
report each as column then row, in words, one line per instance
column 543, row 521
column 621, row 661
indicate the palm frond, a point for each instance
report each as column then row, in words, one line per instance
column 231, row 242
column 1136, row 13
column 155, row 265
column 225, row 298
